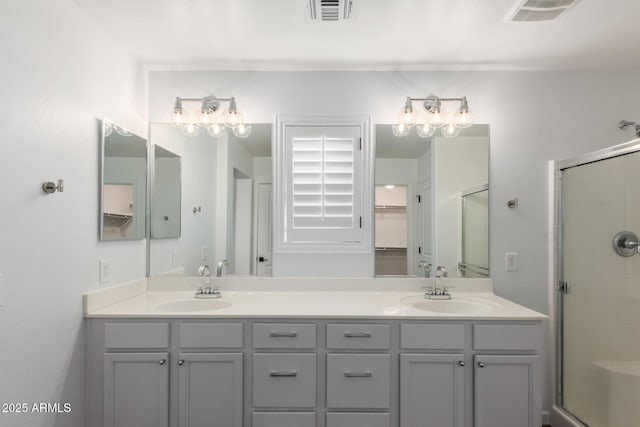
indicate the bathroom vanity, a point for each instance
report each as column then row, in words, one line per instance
column 313, row 358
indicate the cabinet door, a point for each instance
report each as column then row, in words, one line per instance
column 136, row 389
column 210, row 390
column 432, row 390
column 507, row 391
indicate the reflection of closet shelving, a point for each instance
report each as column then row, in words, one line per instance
column 382, row 207
column 114, row 220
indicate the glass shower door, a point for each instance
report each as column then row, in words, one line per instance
column 600, row 310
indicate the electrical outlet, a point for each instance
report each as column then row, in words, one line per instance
column 511, row 261
column 204, row 253
column 105, row 270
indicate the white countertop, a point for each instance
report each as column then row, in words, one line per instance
column 145, row 300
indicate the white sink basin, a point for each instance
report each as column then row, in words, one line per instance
column 453, row 306
column 190, row 305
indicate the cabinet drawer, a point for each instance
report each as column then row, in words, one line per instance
column 434, row 337
column 358, row 420
column 210, row 335
column 136, row 335
column 505, row 337
column 358, row 380
column 284, row 335
column 284, row 419
column 284, row 380
column 344, row 336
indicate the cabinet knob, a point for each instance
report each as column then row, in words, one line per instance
column 162, row 361
column 480, row 365
column 180, row 362
column 460, row 363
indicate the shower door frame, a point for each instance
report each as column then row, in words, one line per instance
column 560, row 416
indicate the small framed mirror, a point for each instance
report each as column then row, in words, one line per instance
column 123, row 183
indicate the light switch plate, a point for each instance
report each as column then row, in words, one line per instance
column 105, row 270
column 204, row 253
column 174, row 258
column 511, row 261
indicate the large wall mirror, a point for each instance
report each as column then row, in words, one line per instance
column 123, row 183
column 210, row 201
column 431, row 203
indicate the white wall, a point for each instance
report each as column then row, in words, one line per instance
column 59, row 72
column 534, row 117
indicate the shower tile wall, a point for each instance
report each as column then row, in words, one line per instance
column 602, row 308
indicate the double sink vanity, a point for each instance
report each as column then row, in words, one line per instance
column 311, row 352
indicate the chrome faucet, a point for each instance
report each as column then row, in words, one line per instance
column 426, row 266
column 221, row 264
column 439, row 293
column 441, row 271
column 206, row 290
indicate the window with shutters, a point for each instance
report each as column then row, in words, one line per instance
column 322, row 197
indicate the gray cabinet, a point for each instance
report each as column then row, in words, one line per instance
column 432, row 390
column 210, row 389
column 313, row 373
column 284, row 380
column 136, row 389
column 358, row 381
column 507, row 391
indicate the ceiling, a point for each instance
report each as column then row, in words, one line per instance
column 382, row 35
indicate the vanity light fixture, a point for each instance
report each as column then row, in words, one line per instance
column 436, row 117
column 210, row 117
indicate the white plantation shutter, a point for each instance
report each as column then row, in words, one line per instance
column 323, row 184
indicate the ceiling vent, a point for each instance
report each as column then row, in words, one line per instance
column 540, row 10
column 330, row 10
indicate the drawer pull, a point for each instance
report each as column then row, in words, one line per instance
column 283, row 373
column 162, row 361
column 348, row 334
column 276, row 334
column 180, row 362
column 460, row 363
column 365, row 374
column 481, row 364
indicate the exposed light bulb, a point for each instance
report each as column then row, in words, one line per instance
column 242, row 130
column 206, row 117
column 425, row 130
column 190, row 129
column 178, row 116
column 389, row 186
column 400, row 129
column 408, row 115
column 463, row 117
column 450, row 130
column 232, row 117
column 216, row 130
column 436, row 117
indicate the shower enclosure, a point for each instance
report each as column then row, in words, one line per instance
column 598, row 294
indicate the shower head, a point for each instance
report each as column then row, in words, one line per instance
column 625, row 123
